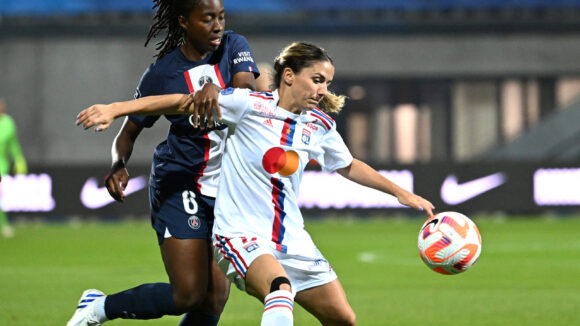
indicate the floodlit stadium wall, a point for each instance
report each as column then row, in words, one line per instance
column 516, row 188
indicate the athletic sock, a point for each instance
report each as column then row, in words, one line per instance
column 199, row 318
column 278, row 307
column 147, row 301
column 99, row 309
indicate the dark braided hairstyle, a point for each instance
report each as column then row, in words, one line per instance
column 166, row 19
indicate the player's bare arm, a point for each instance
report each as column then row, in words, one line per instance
column 365, row 175
column 118, row 177
column 102, row 115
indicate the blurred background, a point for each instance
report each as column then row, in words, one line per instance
column 472, row 104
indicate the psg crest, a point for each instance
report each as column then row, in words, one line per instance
column 204, row 79
column 193, row 222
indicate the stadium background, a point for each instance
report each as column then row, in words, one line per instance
column 441, row 93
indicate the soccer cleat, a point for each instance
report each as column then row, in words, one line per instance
column 85, row 314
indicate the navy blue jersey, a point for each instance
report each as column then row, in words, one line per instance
column 193, row 153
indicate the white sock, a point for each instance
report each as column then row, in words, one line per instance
column 278, row 307
column 99, row 309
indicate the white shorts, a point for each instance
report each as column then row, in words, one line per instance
column 235, row 255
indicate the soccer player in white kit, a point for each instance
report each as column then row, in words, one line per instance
column 259, row 238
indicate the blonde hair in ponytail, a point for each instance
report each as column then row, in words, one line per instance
column 332, row 103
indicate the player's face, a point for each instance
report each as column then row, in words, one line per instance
column 311, row 84
column 204, row 26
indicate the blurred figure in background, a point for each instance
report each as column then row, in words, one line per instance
column 10, row 151
column 196, row 51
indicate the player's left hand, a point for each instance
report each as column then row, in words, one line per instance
column 99, row 115
column 416, row 202
column 205, row 101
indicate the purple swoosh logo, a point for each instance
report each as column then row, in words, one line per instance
column 454, row 193
column 93, row 196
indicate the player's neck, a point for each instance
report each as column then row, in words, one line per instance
column 192, row 53
column 287, row 101
column 289, row 105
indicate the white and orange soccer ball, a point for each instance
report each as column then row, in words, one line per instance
column 449, row 243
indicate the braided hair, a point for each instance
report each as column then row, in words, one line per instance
column 166, row 19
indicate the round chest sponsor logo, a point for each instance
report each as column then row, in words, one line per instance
column 194, row 222
column 204, row 79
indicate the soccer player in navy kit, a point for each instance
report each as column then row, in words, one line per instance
column 261, row 244
column 197, row 50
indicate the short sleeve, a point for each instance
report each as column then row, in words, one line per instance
column 242, row 57
column 233, row 103
column 334, row 154
column 145, row 88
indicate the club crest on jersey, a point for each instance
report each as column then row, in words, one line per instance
column 306, row 136
column 204, row 79
column 251, row 246
column 194, row 222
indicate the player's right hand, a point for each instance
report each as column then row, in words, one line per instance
column 116, row 181
column 205, row 101
column 99, row 115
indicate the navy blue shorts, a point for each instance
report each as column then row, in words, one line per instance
column 177, row 209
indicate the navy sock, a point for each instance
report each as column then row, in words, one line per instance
column 198, row 318
column 147, row 301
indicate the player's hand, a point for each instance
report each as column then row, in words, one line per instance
column 116, row 181
column 99, row 115
column 205, row 101
column 416, row 202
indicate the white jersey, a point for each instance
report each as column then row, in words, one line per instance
column 262, row 166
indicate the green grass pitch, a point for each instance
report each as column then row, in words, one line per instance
column 528, row 272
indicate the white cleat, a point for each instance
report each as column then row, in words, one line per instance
column 85, row 314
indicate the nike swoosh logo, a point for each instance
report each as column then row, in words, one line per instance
column 433, row 221
column 454, row 193
column 93, row 196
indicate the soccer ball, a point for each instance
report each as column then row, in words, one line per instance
column 449, row 243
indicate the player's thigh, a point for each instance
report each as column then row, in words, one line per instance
column 249, row 263
column 218, row 290
column 260, row 275
column 188, row 263
column 328, row 303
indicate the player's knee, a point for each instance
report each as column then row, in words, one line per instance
column 216, row 301
column 350, row 319
column 189, row 300
column 343, row 316
column 280, row 283
column 342, row 319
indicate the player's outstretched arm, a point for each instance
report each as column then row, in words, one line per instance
column 101, row 116
column 365, row 175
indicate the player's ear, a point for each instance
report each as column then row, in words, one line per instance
column 288, row 76
column 182, row 21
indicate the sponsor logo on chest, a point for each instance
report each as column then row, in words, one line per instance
column 264, row 110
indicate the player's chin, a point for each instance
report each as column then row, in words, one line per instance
column 213, row 47
column 311, row 104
